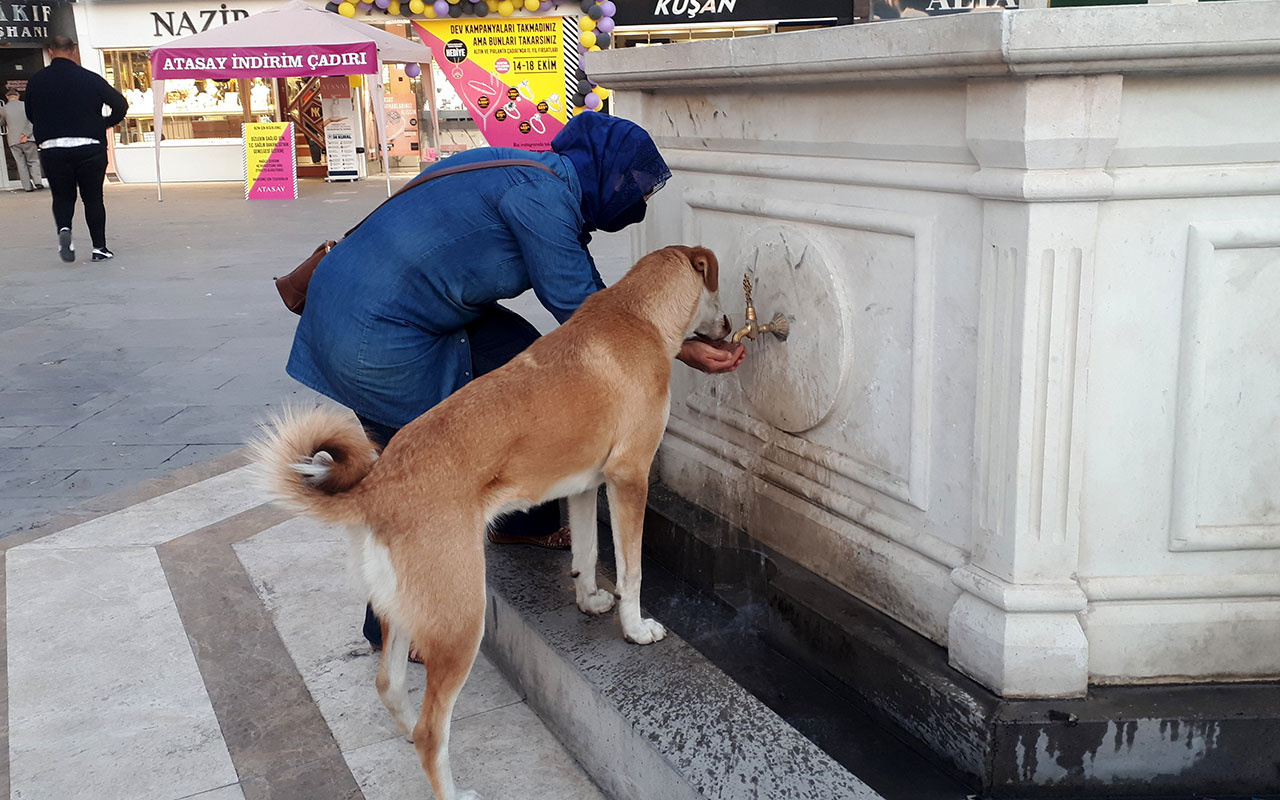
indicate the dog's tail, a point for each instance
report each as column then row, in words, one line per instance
column 311, row 460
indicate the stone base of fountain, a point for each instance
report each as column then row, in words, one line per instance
column 1117, row 741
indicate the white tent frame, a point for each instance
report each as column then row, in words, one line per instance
column 389, row 48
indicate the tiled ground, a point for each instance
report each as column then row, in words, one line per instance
column 201, row 644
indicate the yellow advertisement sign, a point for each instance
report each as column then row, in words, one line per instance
column 510, row 72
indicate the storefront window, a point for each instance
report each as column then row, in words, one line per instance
column 193, row 109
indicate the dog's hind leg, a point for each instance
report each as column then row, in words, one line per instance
column 447, row 624
column 448, row 663
column 391, row 677
column 628, row 492
column 582, row 522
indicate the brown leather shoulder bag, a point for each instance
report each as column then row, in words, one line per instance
column 293, row 287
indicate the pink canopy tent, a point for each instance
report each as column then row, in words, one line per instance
column 294, row 40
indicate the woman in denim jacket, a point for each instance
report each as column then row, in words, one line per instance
column 404, row 311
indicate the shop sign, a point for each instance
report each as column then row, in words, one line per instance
column 938, row 7
column 673, row 12
column 270, row 161
column 181, row 23
column 32, row 23
column 510, row 72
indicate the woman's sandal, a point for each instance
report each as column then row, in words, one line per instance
column 556, row 540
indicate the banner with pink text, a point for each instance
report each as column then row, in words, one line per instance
column 283, row 61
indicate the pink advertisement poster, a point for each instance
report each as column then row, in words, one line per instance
column 270, row 161
column 510, row 73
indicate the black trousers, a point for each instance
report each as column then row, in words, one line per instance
column 69, row 169
column 495, row 338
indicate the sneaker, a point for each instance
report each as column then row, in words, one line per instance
column 65, row 248
column 102, row 254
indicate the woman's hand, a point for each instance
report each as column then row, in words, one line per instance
column 712, row 357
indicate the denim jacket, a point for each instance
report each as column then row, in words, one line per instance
column 383, row 330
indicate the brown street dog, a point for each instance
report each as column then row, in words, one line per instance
column 584, row 405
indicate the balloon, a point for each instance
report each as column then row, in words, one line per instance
column 455, row 11
column 586, row 5
column 346, row 9
column 579, row 110
column 545, row 5
column 587, row 39
column 605, row 25
column 417, row 6
column 394, row 7
column 608, row 8
column 467, row 8
column 586, row 23
column 584, row 86
column 594, row 12
column 593, row 101
column 602, row 92
column 593, row 48
column 331, row 6
column 506, row 8
column 412, row 70
column 482, row 9
column 382, row 3
column 578, row 99
column 364, row 6
column 441, row 7
column 532, row 5
column 603, row 39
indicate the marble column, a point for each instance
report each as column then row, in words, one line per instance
column 1042, row 145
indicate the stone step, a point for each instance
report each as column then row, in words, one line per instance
column 659, row 721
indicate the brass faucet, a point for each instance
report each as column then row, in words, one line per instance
column 778, row 326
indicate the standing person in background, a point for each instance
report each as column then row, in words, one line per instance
column 17, row 131
column 64, row 103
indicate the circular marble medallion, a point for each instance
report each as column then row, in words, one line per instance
column 793, row 385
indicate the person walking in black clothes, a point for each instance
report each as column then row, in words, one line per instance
column 64, row 104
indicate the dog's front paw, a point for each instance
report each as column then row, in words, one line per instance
column 597, row 602
column 647, row 631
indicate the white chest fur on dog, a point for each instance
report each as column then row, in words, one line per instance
column 575, row 484
column 371, row 560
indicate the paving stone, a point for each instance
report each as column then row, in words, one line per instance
column 64, row 457
column 28, row 435
column 142, row 727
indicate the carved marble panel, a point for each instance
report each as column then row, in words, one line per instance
column 851, row 388
column 1226, row 476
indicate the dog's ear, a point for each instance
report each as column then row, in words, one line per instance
column 704, row 261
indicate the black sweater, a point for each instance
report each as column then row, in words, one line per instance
column 65, row 99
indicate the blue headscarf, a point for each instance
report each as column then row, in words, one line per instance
column 617, row 164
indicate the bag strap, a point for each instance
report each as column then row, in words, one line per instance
column 446, row 171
